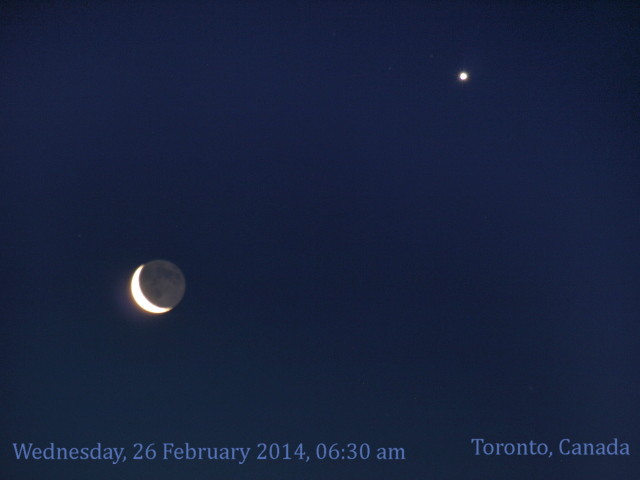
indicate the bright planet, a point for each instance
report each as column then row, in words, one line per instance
column 463, row 76
column 157, row 286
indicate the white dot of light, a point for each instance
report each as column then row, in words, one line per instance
column 463, row 76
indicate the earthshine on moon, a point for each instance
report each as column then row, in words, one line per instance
column 157, row 286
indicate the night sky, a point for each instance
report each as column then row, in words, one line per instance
column 375, row 252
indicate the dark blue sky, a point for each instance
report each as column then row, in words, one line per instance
column 374, row 251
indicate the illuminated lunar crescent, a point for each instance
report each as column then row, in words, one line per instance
column 157, row 286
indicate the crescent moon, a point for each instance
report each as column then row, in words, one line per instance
column 139, row 297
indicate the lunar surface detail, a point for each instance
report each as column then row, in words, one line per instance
column 157, row 286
